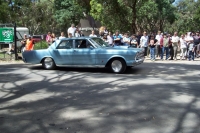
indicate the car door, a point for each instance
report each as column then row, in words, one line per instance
column 84, row 53
column 64, row 52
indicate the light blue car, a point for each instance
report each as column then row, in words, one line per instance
column 85, row 52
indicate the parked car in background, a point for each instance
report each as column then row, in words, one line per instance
column 37, row 38
column 85, row 52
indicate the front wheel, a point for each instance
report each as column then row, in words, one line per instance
column 48, row 63
column 117, row 65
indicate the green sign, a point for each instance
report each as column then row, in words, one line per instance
column 6, row 34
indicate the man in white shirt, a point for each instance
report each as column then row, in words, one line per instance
column 62, row 35
column 144, row 43
column 92, row 34
column 71, row 30
column 158, row 49
column 175, row 44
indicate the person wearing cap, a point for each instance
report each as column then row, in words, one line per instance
column 29, row 43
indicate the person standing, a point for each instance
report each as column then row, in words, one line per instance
column 191, row 48
column 70, row 35
column 81, row 33
column 175, row 44
column 133, row 41
column 29, row 43
column 53, row 37
column 164, row 45
column 77, row 33
column 62, row 35
column 144, row 43
column 183, row 47
column 105, row 31
column 92, row 34
column 110, row 39
column 138, row 36
column 117, row 38
column 152, row 45
column 126, row 40
column 158, row 48
column 196, row 43
column 23, row 42
column 48, row 38
column 71, row 30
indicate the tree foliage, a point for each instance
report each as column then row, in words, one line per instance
column 41, row 16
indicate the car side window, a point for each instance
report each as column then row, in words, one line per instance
column 65, row 44
column 82, row 44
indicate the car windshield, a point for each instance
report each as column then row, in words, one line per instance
column 99, row 42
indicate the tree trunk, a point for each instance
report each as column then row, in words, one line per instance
column 134, row 15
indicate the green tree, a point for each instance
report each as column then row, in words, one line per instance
column 4, row 12
column 68, row 12
column 186, row 16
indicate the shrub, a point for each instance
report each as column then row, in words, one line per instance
column 41, row 45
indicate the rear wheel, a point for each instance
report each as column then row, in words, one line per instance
column 48, row 63
column 117, row 65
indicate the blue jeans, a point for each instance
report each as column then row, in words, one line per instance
column 163, row 49
column 191, row 55
column 152, row 52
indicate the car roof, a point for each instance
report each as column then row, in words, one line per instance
column 73, row 38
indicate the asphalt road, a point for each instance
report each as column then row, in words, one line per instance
column 154, row 97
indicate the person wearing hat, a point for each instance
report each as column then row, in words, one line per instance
column 29, row 43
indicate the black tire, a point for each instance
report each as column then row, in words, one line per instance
column 117, row 65
column 48, row 63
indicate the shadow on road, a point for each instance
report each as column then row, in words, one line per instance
column 151, row 98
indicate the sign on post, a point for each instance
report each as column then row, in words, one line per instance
column 6, row 35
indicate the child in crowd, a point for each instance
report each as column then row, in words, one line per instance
column 152, row 45
column 191, row 47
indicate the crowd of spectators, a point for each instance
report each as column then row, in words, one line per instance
column 187, row 46
column 156, row 45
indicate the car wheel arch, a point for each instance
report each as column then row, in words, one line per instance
column 111, row 59
column 48, row 63
column 46, row 57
